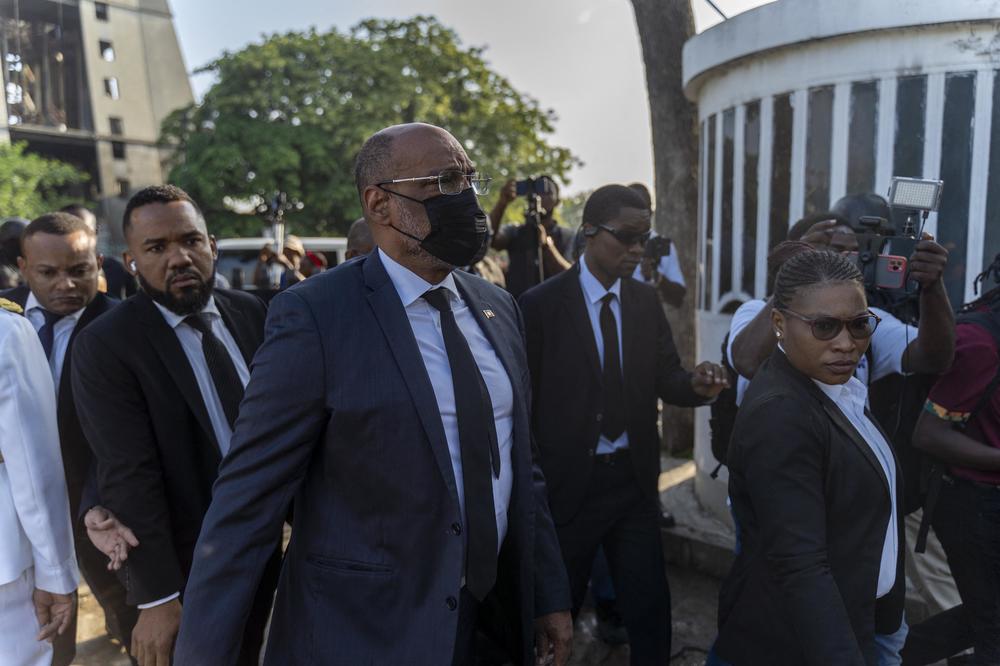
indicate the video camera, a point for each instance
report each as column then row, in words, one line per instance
column 656, row 248
column 883, row 254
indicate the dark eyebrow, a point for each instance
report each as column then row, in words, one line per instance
column 153, row 241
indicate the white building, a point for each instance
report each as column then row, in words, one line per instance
column 803, row 101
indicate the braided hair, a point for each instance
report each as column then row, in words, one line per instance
column 810, row 269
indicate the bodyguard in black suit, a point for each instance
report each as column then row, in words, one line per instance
column 60, row 264
column 157, row 384
column 814, row 487
column 390, row 400
column 601, row 355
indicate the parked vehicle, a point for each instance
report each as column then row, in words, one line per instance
column 238, row 256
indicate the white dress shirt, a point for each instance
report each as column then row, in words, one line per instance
column 61, row 333
column 593, row 292
column 190, row 340
column 426, row 324
column 34, row 507
column 888, row 344
column 851, row 399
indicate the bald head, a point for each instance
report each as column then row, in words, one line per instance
column 389, row 152
column 359, row 239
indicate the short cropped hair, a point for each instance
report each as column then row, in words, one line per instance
column 155, row 194
column 374, row 162
column 57, row 224
column 799, row 229
column 643, row 192
column 607, row 201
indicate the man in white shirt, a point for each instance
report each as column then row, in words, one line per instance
column 157, row 383
column 38, row 574
column 60, row 263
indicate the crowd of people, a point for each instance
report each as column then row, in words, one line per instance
column 458, row 461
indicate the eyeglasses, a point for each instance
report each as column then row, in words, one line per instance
column 627, row 238
column 827, row 328
column 451, row 181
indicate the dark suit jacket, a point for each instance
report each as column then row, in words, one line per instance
column 76, row 454
column 812, row 503
column 341, row 415
column 144, row 416
column 567, row 382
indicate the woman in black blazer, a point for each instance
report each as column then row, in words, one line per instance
column 813, row 484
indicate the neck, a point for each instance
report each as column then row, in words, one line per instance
column 605, row 278
column 430, row 274
column 548, row 222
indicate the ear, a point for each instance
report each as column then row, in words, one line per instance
column 376, row 205
column 100, row 261
column 778, row 323
column 21, row 265
column 129, row 263
column 215, row 246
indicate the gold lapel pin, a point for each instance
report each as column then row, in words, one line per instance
column 489, row 314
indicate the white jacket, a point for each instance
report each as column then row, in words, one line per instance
column 35, row 527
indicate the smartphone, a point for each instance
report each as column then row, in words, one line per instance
column 531, row 185
column 890, row 270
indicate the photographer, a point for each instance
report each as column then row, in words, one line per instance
column 928, row 349
column 660, row 265
column 530, row 243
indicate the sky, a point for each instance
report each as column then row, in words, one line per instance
column 581, row 58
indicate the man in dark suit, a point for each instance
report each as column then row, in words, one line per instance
column 390, row 401
column 601, row 355
column 60, row 264
column 157, row 384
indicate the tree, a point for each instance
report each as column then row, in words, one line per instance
column 31, row 185
column 291, row 112
column 664, row 26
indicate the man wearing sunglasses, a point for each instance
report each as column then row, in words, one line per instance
column 601, row 355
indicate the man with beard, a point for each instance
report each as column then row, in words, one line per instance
column 157, row 383
column 390, row 400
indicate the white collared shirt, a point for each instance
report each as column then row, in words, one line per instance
column 851, row 398
column 593, row 292
column 426, row 324
column 190, row 340
column 61, row 333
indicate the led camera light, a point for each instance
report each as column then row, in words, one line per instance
column 915, row 194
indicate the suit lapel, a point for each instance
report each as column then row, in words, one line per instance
column 236, row 324
column 780, row 361
column 395, row 325
column 842, row 422
column 165, row 344
column 97, row 307
column 629, row 329
column 577, row 308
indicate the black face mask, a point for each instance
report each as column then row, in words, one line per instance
column 459, row 232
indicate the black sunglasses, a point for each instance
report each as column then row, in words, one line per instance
column 827, row 328
column 627, row 238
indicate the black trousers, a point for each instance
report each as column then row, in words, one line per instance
column 617, row 516
column 967, row 521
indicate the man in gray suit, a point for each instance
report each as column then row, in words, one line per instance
column 390, row 402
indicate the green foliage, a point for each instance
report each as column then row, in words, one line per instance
column 31, row 185
column 290, row 114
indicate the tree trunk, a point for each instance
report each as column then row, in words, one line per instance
column 664, row 26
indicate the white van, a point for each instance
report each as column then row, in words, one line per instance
column 238, row 256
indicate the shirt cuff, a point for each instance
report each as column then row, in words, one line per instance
column 160, row 602
column 63, row 578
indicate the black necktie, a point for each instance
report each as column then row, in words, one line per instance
column 613, row 421
column 220, row 365
column 477, row 436
column 47, row 332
